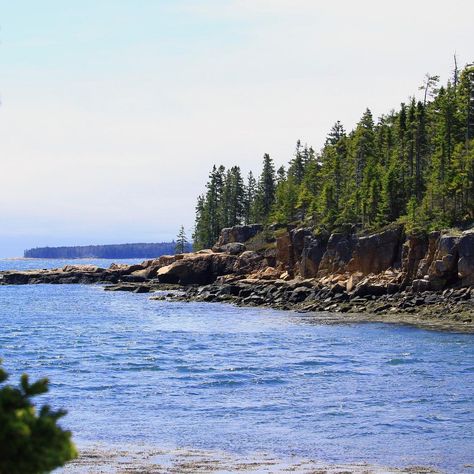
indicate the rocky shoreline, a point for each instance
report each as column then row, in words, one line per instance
column 424, row 280
column 451, row 310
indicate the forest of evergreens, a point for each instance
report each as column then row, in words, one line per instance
column 414, row 165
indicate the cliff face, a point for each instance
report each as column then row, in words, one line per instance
column 433, row 262
column 378, row 263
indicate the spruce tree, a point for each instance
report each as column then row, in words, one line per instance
column 250, row 193
column 266, row 189
column 181, row 241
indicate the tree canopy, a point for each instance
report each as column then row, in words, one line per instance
column 413, row 165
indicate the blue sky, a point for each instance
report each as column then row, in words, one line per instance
column 113, row 112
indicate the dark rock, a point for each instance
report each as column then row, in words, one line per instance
column 133, row 278
column 338, row 254
column 311, row 255
column 238, row 233
column 382, row 308
column 270, row 257
column 232, row 248
column 254, row 300
column 427, row 260
column 431, row 298
column 420, row 285
column 299, row 294
column 337, row 288
column 248, row 262
column 366, row 288
column 121, row 287
column 298, row 237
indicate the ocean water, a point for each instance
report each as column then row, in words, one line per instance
column 244, row 380
column 47, row 263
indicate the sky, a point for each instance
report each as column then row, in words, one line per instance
column 114, row 111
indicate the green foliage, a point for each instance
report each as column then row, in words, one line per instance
column 31, row 442
column 181, row 241
column 265, row 196
column 414, row 165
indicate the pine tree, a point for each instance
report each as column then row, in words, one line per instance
column 201, row 235
column 297, row 164
column 250, row 193
column 266, row 189
column 181, row 241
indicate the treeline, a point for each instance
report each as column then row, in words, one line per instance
column 414, row 165
column 116, row 251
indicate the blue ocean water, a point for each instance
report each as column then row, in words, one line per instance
column 47, row 263
column 213, row 376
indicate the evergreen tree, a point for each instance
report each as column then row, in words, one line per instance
column 233, row 198
column 250, row 193
column 297, row 164
column 181, row 241
column 266, row 189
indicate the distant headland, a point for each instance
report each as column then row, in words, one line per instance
column 115, row 251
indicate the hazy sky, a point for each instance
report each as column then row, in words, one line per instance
column 113, row 111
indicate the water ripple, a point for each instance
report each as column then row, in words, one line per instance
column 219, row 377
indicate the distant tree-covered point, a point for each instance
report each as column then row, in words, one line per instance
column 114, row 251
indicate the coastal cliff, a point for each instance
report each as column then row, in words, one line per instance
column 379, row 263
column 386, row 273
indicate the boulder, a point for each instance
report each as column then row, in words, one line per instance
column 197, row 269
column 299, row 294
column 135, row 277
column 232, row 248
column 353, row 281
column 124, row 269
column 420, row 285
column 122, row 287
column 369, row 288
column 238, row 233
column 270, row 273
column 82, row 269
column 249, row 262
